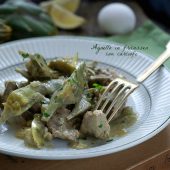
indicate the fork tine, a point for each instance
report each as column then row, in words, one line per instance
column 104, row 93
column 111, row 94
column 120, row 104
column 115, row 99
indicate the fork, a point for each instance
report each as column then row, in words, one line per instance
column 119, row 89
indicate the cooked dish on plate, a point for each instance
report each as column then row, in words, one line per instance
column 58, row 101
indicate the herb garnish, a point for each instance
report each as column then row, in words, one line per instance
column 23, row 54
column 101, row 125
column 46, row 114
column 98, row 86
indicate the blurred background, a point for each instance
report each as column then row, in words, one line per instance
column 17, row 21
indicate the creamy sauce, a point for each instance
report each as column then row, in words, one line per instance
column 118, row 128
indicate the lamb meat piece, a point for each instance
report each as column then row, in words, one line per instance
column 107, row 72
column 103, row 77
column 9, row 87
column 100, row 79
column 22, row 84
column 95, row 124
column 27, row 115
column 60, row 127
column 36, row 108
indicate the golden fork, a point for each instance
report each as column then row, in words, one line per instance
column 119, row 89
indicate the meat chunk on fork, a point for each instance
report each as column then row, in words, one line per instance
column 95, row 124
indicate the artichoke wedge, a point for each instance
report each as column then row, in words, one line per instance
column 38, row 131
column 22, row 99
column 37, row 68
column 19, row 101
column 35, row 136
column 81, row 107
column 71, row 92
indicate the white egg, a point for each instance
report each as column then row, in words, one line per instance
column 116, row 18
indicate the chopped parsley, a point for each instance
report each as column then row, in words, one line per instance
column 24, row 55
column 45, row 114
column 101, row 125
column 97, row 86
column 38, row 55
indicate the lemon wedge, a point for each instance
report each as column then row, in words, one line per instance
column 46, row 6
column 71, row 5
column 65, row 19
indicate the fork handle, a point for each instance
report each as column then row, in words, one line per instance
column 154, row 66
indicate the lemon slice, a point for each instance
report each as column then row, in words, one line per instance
column 65, row 19
column 71, row 5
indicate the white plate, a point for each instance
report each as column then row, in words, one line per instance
column 150, row 101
